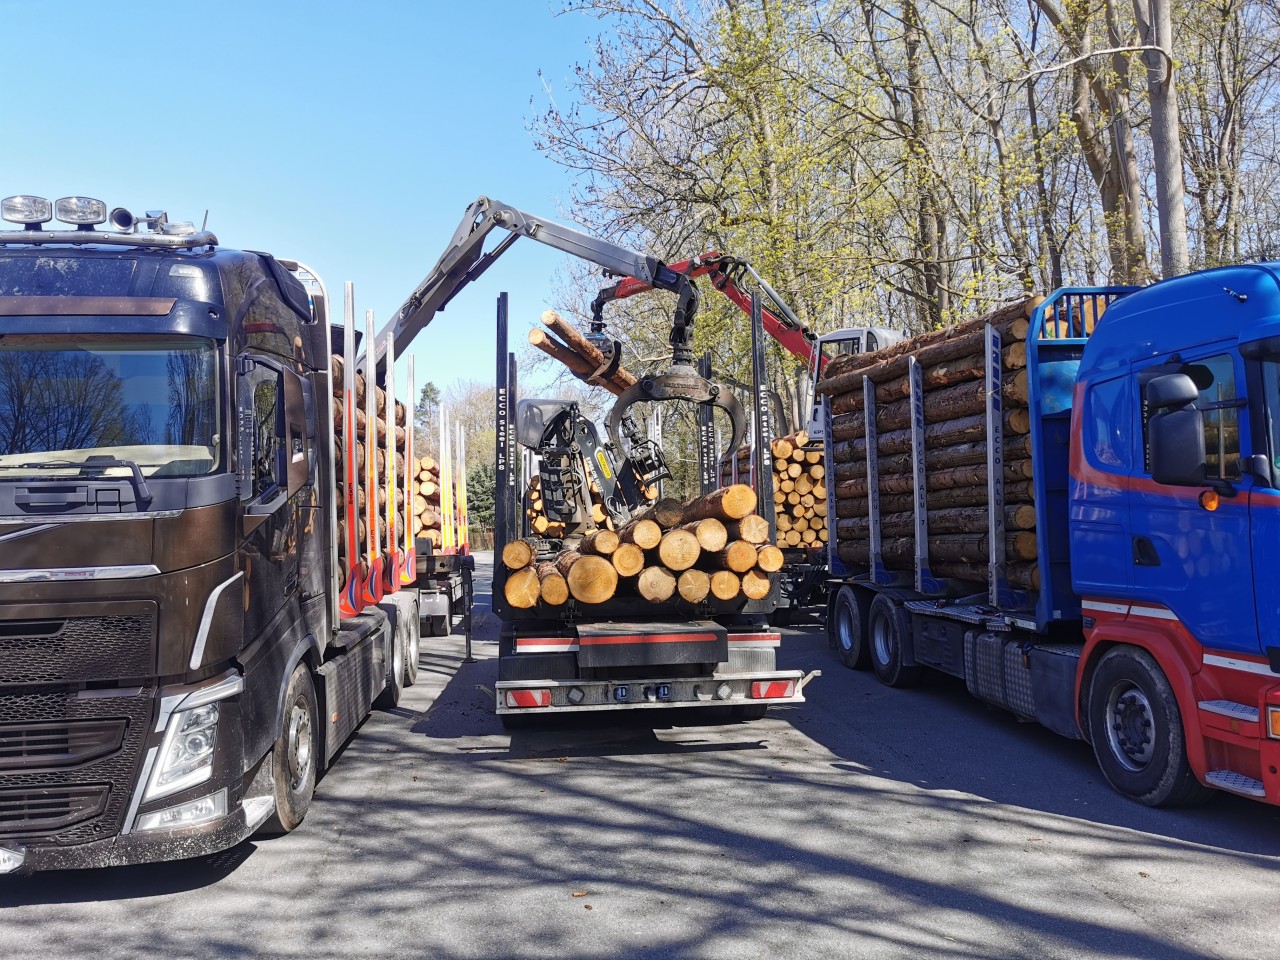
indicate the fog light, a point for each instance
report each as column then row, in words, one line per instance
column 724, row 691
column 11, row 858
column 1273, row 722
column 189, row 814
column 576, row 695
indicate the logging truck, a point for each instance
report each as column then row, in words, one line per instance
column 207, row 578
column 624, row 599
column 1071, row 505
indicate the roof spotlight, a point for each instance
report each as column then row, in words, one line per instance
column 83, row 211
column 27, row 210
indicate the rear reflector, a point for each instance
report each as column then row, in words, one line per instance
column 528, row 698
column 772, row 689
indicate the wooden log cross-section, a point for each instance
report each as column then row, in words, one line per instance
column 591, row 579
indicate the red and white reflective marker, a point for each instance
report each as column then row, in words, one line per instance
column 528, row 698
column 772, row 689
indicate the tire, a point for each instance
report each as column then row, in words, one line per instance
column 847, row 629
column 1137, row 733
column 887, row 630
column 295, row 756
column 439, row 626
column 391, row 693
column 412, row 648
column 755, row 711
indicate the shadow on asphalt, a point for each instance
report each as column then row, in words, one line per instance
column 815, row 853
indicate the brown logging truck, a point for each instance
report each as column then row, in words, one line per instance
column 611, row 638
column 181, row 650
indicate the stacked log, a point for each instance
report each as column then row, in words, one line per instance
column 708, row 547
column 799, row 490
column 955, row 438
column 368, row 442
column 427, row 517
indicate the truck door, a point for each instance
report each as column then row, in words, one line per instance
column 267, row 429
column 1193, row 560
column 1264, row 509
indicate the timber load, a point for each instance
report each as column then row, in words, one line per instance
column 799, row 490
column 427, row 516
column 695, row 551
column 952, row 367
column 373, row 442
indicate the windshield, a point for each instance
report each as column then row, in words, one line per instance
column 150, row 402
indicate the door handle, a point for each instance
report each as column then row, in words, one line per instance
column 1144, row 553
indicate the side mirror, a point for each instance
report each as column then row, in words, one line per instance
column 1175, row 432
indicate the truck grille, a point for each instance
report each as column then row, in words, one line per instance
column 68, row 762
column 37, row 812
column 58, row 744
column 79, row 646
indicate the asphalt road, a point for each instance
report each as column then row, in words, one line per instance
column 867, row 822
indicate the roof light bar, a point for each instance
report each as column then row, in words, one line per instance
column 84, row 211
column 27, row 210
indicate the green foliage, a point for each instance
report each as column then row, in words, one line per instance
column 481, row 483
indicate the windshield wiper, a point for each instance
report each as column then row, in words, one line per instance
column 92, row 467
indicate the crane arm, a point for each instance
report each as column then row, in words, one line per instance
column 724, row 272
column 465, row 259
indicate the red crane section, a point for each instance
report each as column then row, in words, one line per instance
column 724, row 273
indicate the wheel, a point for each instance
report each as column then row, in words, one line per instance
column 412, row 648
column 390, row 695
column 782, row 617
column 847, row 629
column 293, row 758
column 1137, row 734
column 439, row 626
column 755, row 711
column 887, row 630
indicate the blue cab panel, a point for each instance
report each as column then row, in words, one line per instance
column 1137, row 541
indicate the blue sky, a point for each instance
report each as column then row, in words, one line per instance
column 350, row 136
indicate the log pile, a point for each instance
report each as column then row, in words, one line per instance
column 714, row 546
column 426, row 502
column 955, row 450
column 368, row 443
column 799, row 490
column 581, row 357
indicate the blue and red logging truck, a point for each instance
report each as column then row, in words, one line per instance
column 1155, row 630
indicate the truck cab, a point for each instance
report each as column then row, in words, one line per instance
column 1175, row 484
column 850, row 340
column 167, row 579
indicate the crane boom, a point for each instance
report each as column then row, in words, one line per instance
column 465, row 260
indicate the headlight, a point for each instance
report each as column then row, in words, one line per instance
column 186, row 758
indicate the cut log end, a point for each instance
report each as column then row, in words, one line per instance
column 518, row 554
